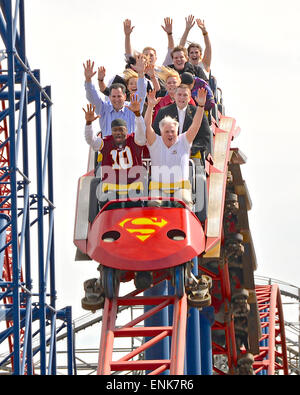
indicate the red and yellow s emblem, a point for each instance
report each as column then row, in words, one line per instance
column 143, row 227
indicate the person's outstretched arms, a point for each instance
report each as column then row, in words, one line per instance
column 127, row 31
column 168, row 28
column 95, row 142
column 140, row 128
column 101, row 76
column 140, row 68
column 91, row 93
column 151, row 72
column 206, row 60
column 194, row 128
column 189, row 23
column 89, row 70
column 152, row 102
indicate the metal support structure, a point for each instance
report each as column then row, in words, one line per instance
column 272, row 358
column 193, row 344
column 206, row 321
column 138, row 358
column 27, row 278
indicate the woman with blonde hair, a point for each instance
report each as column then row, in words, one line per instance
column 172, row 80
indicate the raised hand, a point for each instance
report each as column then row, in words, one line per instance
column 168, row 28
column 140, row 65
column 101, row 73
column 89, row 70
column 201, row 25
column 201, row 97
column 150, row 70
column 151, row 99
column 135, row 103
column 127, row 27
column 90, row 114
column 189, row 22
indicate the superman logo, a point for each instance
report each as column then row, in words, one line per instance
column 144, row 227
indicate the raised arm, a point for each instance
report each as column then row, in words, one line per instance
column 127, row 31
column 189, row 23
column 101, row 76
column 150, row 71
column 140, row 68
column 89, row 70
column 140, row 129
column 95, row 142
column 152, row 102
column 193, row 129
column 168, row 28
column 91, row 93
column 206, row 60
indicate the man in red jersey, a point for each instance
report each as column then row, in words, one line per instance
column 120, row 155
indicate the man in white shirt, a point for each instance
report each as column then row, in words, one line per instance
column 184, row 113
column 170, row 152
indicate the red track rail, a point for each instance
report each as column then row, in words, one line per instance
column 177, row 332
column 5, row 192
column 272, row 322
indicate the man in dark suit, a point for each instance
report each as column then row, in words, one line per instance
column 184, row 114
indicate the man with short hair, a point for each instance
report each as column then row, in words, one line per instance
column 120, row 155
column 170, row 152
column 181, row 63
column 195, row 83
column 184, row 113
column 121, row 161
column 195, row 53
column 115, row 108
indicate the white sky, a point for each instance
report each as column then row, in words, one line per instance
column 256, row 60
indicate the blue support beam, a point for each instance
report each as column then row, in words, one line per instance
column 193, row 345
column 206, row 322
column 28, row 307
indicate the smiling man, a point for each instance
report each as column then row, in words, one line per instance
column 120, row 156
column 115, row 108
column 184, row 114
column 170, row 152
column 181, row 63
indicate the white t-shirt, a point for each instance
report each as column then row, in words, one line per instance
column 170, row 165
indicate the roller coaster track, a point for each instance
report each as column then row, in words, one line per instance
column 23, row 307
column 82, row 325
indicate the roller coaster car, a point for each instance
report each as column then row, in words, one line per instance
column 130, row 238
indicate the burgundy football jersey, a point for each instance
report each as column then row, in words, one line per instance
column 121, row 164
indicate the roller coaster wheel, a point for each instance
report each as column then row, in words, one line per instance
column 110, row 281
column 229, row 177
column 198, row 302
column 245, row 364
column 179, row 280
column 231, row 204
column 239, row 304
column 238, row 237
column 233, row 245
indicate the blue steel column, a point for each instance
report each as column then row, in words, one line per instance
column 13, row 187
column 51, row 219
column 71, row 344
column 40, row 214
column 27, row 258
column 193, row 346
column 18, row 72
column 206, row 321
column 4, row 219
column 160, row 350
